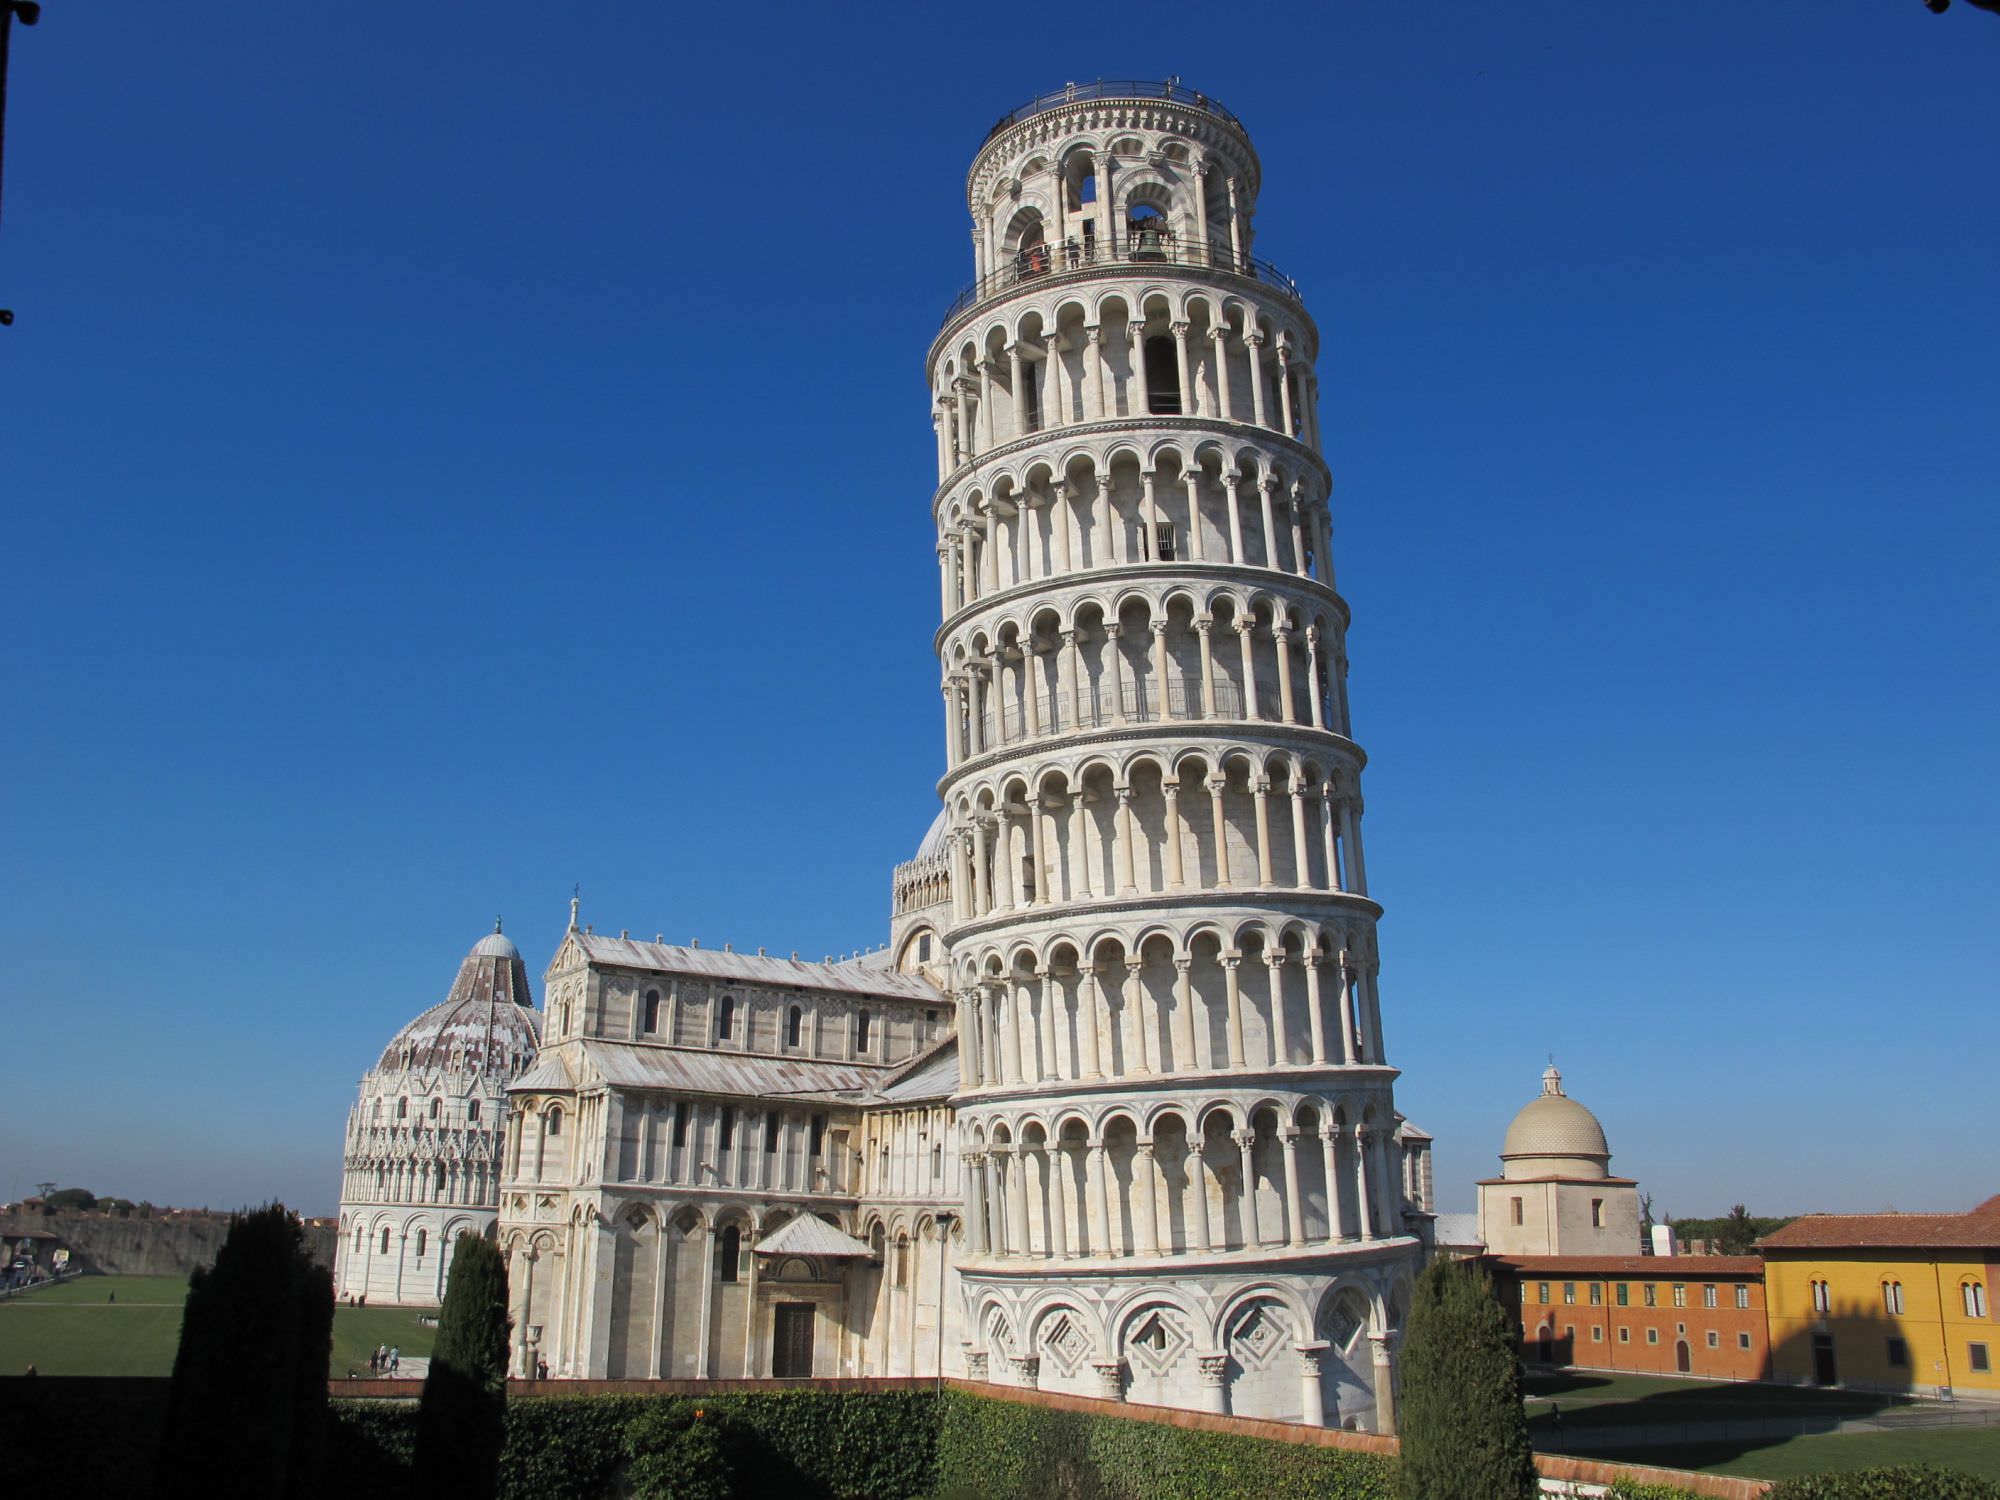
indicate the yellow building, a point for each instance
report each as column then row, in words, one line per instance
column 1900, row 1302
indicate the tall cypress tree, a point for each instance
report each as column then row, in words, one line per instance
column 249, row 1382
column 462, row 1419
column 1465, row 1434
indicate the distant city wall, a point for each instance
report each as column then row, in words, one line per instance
column 164, row 1246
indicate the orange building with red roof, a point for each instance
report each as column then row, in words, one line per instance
column 1651, row 1314
column 1900, row 1302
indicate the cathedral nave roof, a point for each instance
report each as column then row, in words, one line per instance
column 754, row 968
column 689, row 1070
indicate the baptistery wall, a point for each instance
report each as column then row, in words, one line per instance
column 1186, row 1178
column 423, row 1151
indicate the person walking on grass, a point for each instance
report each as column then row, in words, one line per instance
column 395, row 1359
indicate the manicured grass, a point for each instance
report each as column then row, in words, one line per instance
column 75, row 1329
column 1974, row 1450
column 1590, row 1399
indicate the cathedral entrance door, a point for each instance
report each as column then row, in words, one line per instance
column 792, row 1340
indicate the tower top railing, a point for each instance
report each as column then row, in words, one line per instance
column 1141, row 247
column 1115, row 88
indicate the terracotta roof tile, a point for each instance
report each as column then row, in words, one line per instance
column 1977, row 1230
column 1656, row 1267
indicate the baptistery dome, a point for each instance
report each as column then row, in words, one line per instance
column 424, row 1137
column 1553, row 1134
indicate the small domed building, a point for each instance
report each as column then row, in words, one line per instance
column 1555, row 1194
column 422, row 1159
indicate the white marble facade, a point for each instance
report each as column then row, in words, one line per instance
column 422, row 1157
column 1113, row 1113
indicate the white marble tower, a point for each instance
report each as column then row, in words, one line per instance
column 1186, row 1177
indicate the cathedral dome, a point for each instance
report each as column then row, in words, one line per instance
column 486, row 1022
column 1553, row 1135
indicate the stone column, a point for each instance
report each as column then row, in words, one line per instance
column 1219, row 821
column 1184, row 1053
column 1139, row 1007
column 1234, row 991
column 1295, row 1203
column 1261, row 793
column 1350, row 835
column 962, row 389
column 1363, row 1195
column 1198, row 1189
column 1009, row 1023
column 1265, row 485
column 1202, row 628
column 1045, row 999
column 1014, row 1165
column 1191, row 478
column 1014, row 377
column 1220, row 335
column 1057, row 1164
column 1246, row 630
column 1253, row 1233
column 1061, row 499
column 1329, row 1137
column 1253, row 345
column 1350, row 1052
column 1038, row 859
column 1110, row 1378
column 974, row 1165
column 1281, row 1042
column 1315, row 1012
column 975, row 1362
column 987, row 441
column 1180, row 332
column 1326, row 828
column 1234, row 482
column 1285, row 387
column 1127, row 886
column 1146, row 1211
column 1104, row 553
column 1312, row 678
column 1301, row 847
column 1237, row 248
column 1160, row 700
column 1385, row 1385
column 1094, row 357
column 1096, row 1170
column 1312, row 1402
column 1069, row 671
column 1214, row 1370
column 1176, row 871
column 1115, row 660
column 1087, row 1003
column 981, row 878
column 1297, row 509
column 1140, row 404
column 1027, row 1371
column 1281, row 636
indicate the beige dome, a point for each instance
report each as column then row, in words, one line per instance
column 1555, row 1134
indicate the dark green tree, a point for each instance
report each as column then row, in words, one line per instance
column 1464, row 1432
column 246, row 1415
column 462, row 1419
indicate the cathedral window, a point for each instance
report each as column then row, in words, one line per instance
column 1516, row 1211
column 794, row 1022
column 402, row 1109
column 360, row 1238
column 861, row 1025
column 1596, row 1213
column 437, row 1106
column 771, row 1132
column 680, row 1123
column 385, row 1239
column 937, row 1162
column 423, row 1239
column 439, row 1186
column 652, row 1010
column 472, row 1110
column 725, row 1025
column 818, row 1135
column 728, row 1250
column 553, row 1123
column 728, row 1135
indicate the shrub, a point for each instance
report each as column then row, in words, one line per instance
column 1904, row 1482
column 1641, row 1489
column 244, row 1418
column 462, row 1418
column 1005, row 1450
column 679, row 1451
column 1464, row 1431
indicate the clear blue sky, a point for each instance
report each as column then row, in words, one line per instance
column 449, row 452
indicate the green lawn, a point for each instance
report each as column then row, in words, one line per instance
column 1974, row 1450
column 1590, row 1399
column 75, row 1329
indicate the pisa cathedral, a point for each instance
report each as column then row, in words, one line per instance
column 1113, row 1113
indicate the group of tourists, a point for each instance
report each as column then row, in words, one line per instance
column 386, row 1360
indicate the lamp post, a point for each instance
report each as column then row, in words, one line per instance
column 28, row 12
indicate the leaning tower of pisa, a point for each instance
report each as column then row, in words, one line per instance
column 1186, row 1180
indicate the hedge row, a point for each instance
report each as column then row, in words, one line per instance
column 1006, row 1450
column 803, row 1445
column 1904, row 1482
